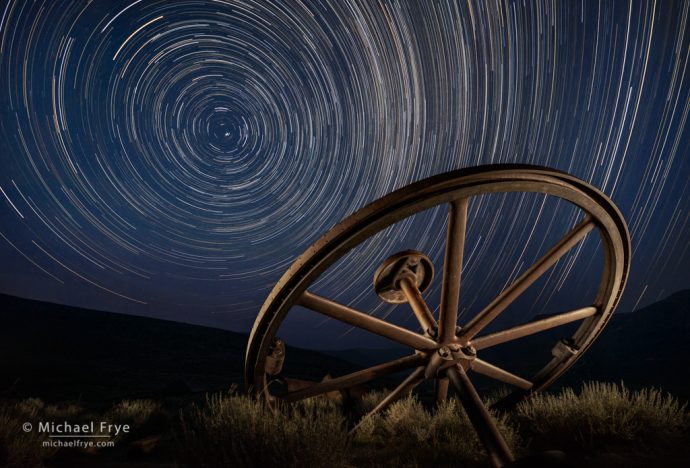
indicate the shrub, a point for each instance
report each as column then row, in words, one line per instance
column 602, row 415
column 602, row 425
column 233, row 430
column 19, row 448
column 144, row 417
column 408, row 435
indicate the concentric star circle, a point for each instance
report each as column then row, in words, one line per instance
column 173, row 158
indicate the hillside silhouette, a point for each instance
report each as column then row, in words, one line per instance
column 58, row 352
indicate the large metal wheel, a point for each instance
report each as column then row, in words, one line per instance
column 446, row 351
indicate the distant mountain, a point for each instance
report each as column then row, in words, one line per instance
column 58, row 352
column 648, row 347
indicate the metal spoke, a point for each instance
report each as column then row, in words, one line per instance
column 405, row 387
column 479, row 416
column 356, row 378
column 441, row 390
column 452, row 268
column 366, row 322
column 504, row 299
column 496, row 373
column 531, row 328
column 417, row 303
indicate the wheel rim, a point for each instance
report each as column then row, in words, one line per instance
column 455, row 189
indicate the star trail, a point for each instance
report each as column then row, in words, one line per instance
column 172, row 159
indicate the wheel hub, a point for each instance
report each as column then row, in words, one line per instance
column 409, row 264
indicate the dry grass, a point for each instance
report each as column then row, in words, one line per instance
column 605, row 424
column 603, row 415
column 18, row 448
column 409, row 435
column 234, row 430
column 144, row 417
column 601, row 420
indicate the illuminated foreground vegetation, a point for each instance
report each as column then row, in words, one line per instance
column 601, row 425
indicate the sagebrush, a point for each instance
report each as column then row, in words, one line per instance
column 601, row 425
column 235, row 430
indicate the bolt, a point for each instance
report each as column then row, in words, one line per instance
column 444, row 352
column 469, row 351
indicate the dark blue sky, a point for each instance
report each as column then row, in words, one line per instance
column 171, row 159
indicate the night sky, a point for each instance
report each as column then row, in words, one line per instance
column 171, row 159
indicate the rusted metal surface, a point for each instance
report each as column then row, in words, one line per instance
column 496, row 373
column 342, row 394
column 479, row 416
column 276, row 357
column 366, row 322
column 411, row 265
column 452, row 268
column 446, row 351
column 441, row 389
column 356, row 378
column 531, row 328
column 418, row 305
